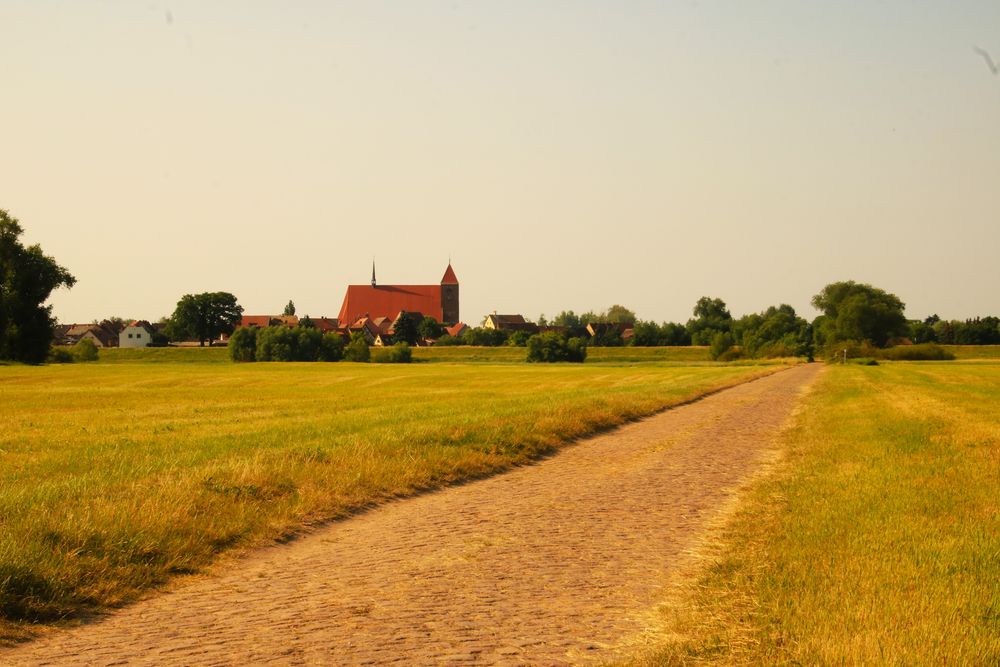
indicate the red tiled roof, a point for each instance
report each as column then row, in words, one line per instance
column 267, row 320
column 449, row 276
column 388, row 300
column 325, row 324
column 456, row 330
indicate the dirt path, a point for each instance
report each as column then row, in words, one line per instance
column 549, row 564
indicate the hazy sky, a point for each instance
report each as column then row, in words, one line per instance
column 565, row 154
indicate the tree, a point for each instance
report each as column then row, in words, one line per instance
column 429, row 328
column 27, row 278
column 405, row 329
column 574, row 324
column 518, row 339
column 243, row 344
column 722, row 342
column 205, row 316
column 289, row 308
column 857, row 311
column 711, row 317
column 552, row 347
column 276, row 343
column 332, row 347
column 618, row 314
column 484, row 337
column 776, row 332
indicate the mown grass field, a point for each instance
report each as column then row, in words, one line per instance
column 877, row 541
column 115, row 476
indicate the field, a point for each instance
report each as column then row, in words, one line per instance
column 876, row 542
column 115, row 476
column 974, row 351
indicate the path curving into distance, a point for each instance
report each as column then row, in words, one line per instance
column 553, row 563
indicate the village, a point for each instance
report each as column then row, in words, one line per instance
column 374, row 311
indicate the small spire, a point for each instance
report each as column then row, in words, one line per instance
column 373, row 272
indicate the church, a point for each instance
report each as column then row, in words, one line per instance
column 375, row 301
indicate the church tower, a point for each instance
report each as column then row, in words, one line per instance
column 449, row 297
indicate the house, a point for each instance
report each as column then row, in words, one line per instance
column 268, row 320
column 437, row 301
column 325, row 324
column 59, row 332
column 138, row 333
column 510, row 323
column 367, row 327
column 456, row 330
column 96, row 333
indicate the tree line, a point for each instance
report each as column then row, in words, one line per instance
column 852, row 314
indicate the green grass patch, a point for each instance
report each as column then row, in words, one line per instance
column 876, row 542
column 155, row 355
column 974, row 351
column 116, row 476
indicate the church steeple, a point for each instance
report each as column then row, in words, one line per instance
column 373, row 273
column 449, row 296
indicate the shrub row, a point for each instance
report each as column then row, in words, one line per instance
column 303, row 343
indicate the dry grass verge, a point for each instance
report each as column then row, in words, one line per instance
column 876, row 542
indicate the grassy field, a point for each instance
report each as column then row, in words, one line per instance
column 876, row 542
column 115, row 476
column 974, row 351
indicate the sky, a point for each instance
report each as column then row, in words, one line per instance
column 564, row 155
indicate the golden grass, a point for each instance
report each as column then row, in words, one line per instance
column 116, row 476
column 877, row 541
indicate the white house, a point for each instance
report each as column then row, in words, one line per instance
column 139, row 333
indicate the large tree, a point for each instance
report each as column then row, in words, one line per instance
column 711, row 317
column 619, row 314
column 205, row 316
column 857, row 311
column 27, row 278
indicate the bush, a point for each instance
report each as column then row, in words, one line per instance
column 732, row 354
column 85, row 350
column 400, row 353
column 833, row 352
column 243, row 344
column 551, row 347
column 923, row 352
column 721, row 343
column 60, row 355
column 447, row 340
column 484, row 337
column 331, row 348
column 276, row 343
column 357, row 349
column 518, row 339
